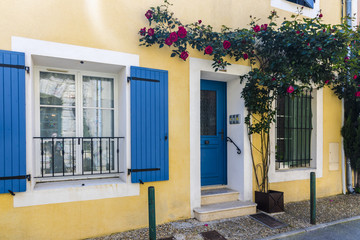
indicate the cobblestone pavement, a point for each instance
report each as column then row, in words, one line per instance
column 296, row 215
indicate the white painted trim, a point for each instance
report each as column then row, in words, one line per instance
column 61, row 55
column 199, row 67
column 316, row 148
column 294, row 8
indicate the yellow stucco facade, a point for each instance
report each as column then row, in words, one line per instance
column 114, row 25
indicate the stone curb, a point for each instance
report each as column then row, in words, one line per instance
column 312, row 228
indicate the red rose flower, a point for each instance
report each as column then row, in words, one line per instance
column 143, row 31
column 199, row 21
column 346, row 58
column 256, row 28
column 245, row 56
column 168, row 41
column 320, row 16
column 297, row 32
column 327, row 81
column 308, row 44
column 226, row 44
column 208, row 50
column 273, row 79
column 151, row 32
column 290, row 89
column 184, row 55
column 324, row 30
column 355, row 77
column 173, row 37
column 148, row 14
column 319, row 48
column 182, row 32
column 357, row 94
column 264, row 27
column 302, row 34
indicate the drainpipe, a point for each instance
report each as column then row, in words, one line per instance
column 348, row 166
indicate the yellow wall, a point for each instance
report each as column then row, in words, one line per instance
column 113, row 25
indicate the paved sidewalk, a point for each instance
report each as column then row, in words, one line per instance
column 344, row 231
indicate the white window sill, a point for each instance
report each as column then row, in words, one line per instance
column 286, row 175
column 76, row 190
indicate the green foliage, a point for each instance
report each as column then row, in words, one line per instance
column 286, row 59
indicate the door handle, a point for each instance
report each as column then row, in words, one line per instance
column 222, row 134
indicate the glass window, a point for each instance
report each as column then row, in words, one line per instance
column 293, row 131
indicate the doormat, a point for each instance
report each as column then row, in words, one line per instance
column 268, row 220
column 212, row 235
column 169, row 238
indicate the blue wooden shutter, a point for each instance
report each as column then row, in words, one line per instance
column 149, row 125
column 12, row 122
column 306, row 3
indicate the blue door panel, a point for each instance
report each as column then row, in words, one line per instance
column 12, row 122
column 213, row 141
column 149, row 124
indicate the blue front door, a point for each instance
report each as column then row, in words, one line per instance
column 213, row 132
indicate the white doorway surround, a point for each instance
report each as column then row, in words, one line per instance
column 239, row 167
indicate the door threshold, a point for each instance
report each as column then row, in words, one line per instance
column 213, row 187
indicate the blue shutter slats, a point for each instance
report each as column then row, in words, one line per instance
column 309, row 3
column 12, row 122
column 149, row 125
column 306, row 3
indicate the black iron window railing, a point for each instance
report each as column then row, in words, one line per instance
column 73, row 156
column 293, row 131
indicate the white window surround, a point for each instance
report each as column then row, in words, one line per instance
column 316, row 164
column 294, row 8
column 59, row 55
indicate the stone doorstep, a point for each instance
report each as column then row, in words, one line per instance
column 224, row 210
column 218, row 195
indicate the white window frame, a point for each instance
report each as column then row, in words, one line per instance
column 58, row 55
column 294, row 8
column 316, row 164
column 78, row 116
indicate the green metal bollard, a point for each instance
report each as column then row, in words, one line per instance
column 152, row 217
column 312, row 198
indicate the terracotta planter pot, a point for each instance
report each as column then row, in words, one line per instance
column 270, row 202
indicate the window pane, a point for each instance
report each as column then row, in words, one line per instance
column 98, row 123
column 208, row 112
column 98, row 92
column 57, row 122
column 57, row 89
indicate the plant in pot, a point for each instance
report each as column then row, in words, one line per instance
column 287, row 60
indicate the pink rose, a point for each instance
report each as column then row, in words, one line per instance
column 320, row 16
column 256, row 28
column 355, row 77
column 290, row 89
column 226, row 44
column 273, row 79
column 327, row 81
column 357, row 94
column 297, row 32
column 143, row 31
column 184, row 55
column 346, row 58
column 182, row 32
column 245, row 56
column 319, row 48
column 302, row 34
column 264, row 27
column 149, row 14
column 208, row 50
column 151, row 32
column 308, row 44
column 199, row 21
column 168, row 41
column 324, row 30
column 173, row 37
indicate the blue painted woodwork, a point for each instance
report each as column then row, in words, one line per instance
column 306, row 3
column 213, row 144
column 12, row 122
column 149, row 124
